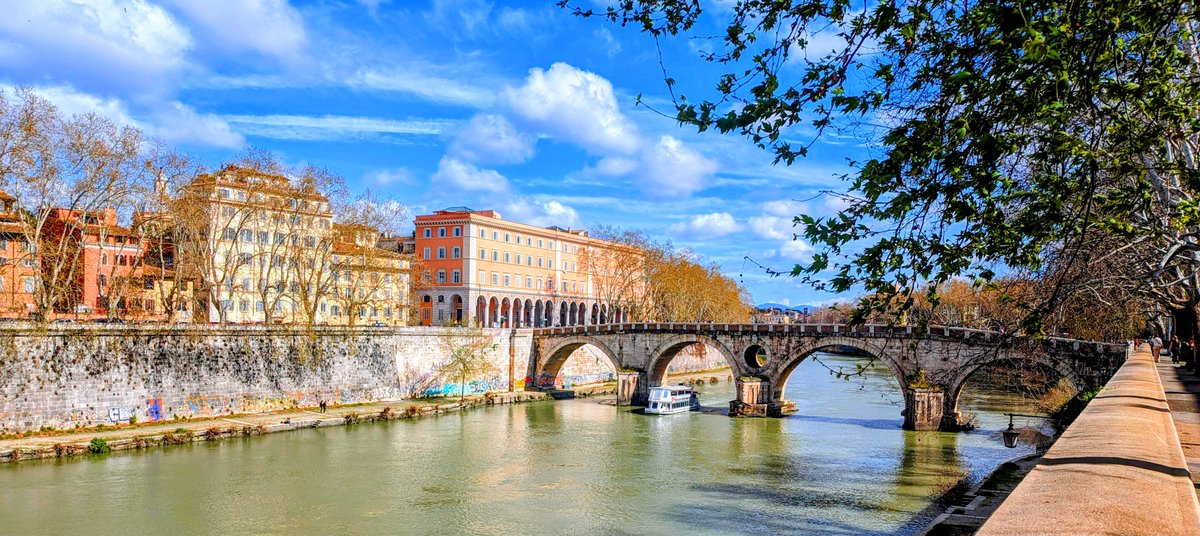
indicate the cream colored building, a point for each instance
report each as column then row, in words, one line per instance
column 264, row 247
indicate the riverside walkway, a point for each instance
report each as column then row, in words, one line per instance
column 1118, row 469
column 75, row 442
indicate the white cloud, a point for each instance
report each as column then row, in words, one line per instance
column 793, row 250
column 672, row 169
column 469, row 177
column 333, row 127
column 389, row 177
column 491, row 139
column 541, row 213
column 574, row 105
column 714, row 225
column 103, row 44
column 428, row 87
column 172, row 121
column 785, row 208
column 772, row 227
column 179, row 122
column 269, row 27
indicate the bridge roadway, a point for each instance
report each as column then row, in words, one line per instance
column 931, row 365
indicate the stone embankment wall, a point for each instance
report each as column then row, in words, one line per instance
column 66, row 376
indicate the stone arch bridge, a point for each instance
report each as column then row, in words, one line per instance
column 931, row 366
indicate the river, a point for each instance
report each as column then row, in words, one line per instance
column 841, row 465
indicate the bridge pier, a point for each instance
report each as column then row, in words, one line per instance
column 633, row 388
column 753, row 398
column 924, row 408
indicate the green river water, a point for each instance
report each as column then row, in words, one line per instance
column 841, row 465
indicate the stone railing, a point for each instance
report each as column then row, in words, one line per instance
column 1118, row 469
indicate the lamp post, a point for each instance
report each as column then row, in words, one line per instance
column 1010, row 435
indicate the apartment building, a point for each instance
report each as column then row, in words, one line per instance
column 370, row 284
column 18, row 269
column 480, row 268
column 262, row 247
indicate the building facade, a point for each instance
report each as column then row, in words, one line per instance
column 263, row 250
column 18, row 268
column 370, row 284
column 478, row 268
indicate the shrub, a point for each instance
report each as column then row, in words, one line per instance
column 99, row 446
column 212, row 434
column 133, row 419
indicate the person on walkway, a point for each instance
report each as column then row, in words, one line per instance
column 1174, row 348
column 322, row 406
column 1155, row 347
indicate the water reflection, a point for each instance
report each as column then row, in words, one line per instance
column 841, row 465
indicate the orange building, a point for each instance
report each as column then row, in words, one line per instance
column 483, row 269
column 18, row 269
column 101, row 267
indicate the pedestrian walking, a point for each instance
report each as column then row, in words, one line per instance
column 1155, row 347
column 1174, row 347
column 322, row 406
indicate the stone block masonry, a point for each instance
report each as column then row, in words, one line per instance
column 61, row 377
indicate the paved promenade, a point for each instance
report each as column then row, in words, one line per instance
column 1119, row 469
column 1182, row 389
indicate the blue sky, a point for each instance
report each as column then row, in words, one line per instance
column 514, row 106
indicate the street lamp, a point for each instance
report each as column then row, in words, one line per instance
column 1010, row 435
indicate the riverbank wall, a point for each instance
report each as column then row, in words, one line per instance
column 66, row 376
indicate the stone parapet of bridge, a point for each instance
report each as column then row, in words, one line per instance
column 931, row 365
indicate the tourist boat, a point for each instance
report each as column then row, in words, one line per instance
column 673, row 399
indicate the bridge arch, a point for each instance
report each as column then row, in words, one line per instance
column 1046, row 362
column 785, row 365
column 665, row 352
column 553, row 358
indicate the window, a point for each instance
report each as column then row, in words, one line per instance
column 518, row 239
column 264, row 237
column 310, row 242
column 229, row 234
column 495, row 278
column 441, row 232
column 244, row 306
column 564, row 283
column 540, row 243
column 539, row 283
column 456, row 253
column 550, row 263
column 456, row 277
column 441, row 276
column 428, row 232
column 482, row 233
column 495, row 256
column 426, row 256
column 227, row 212
column 528, row 282
column 103, row 259
column 506, row 280
column 506, row 236
column 28, row 282
column 495, row 235
column 247, row 235
column 245, row 283
column 458, row 231
column 506, row 257
column 482, row 254
column 482, row 276
column 518, row 258
column 528, row 241
column 243, row 258
column 441, row 253
column 539, row 262
column 529, row 260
